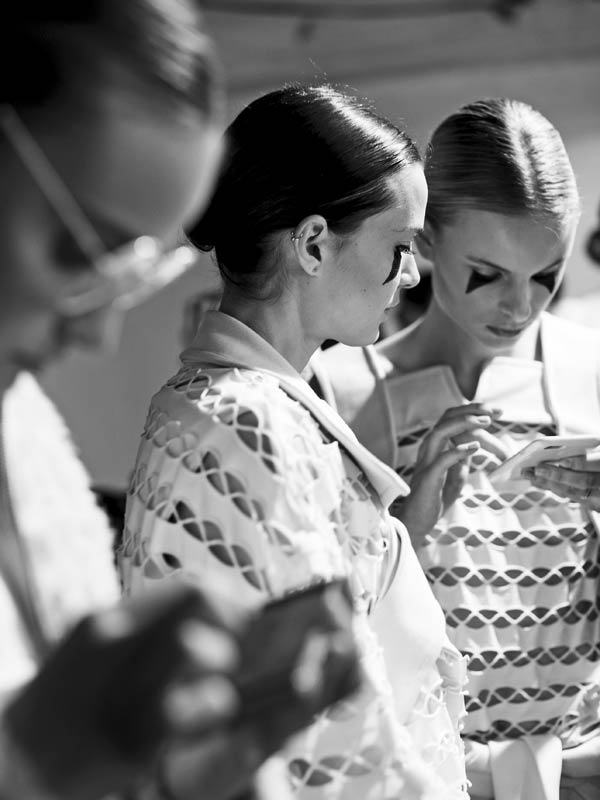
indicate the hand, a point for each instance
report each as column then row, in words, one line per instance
column 121, row 684
column 297, row 657
column 442, row 466
column 576, row 478
column 222, row 765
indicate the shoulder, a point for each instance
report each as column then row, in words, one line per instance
column 244, row 402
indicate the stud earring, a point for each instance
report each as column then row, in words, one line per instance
column 295, row 237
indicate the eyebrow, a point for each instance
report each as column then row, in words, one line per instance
column 485, row 263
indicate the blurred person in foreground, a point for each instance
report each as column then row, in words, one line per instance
column 109, row 137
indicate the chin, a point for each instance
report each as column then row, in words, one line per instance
column 356, row 340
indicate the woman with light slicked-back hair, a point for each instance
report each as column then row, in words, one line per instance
column 514, row 560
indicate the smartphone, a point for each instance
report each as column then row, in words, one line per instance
column 300, row 651
column 544, row 448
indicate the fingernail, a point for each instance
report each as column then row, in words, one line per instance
column 483, row 420
column 496, row 412
column 201, row 704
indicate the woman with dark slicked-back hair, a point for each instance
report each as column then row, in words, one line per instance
column 110, row 135
column 514, row 559
column 244, row 476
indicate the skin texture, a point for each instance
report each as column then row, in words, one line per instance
column 528, row 259
column 359, row 286
column 337, row 287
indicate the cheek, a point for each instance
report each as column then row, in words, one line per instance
column 541, row 297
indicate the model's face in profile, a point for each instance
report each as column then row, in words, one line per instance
column 495, row 274
column 376, row 262
column 131, row 172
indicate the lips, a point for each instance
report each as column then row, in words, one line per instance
column 506, row 333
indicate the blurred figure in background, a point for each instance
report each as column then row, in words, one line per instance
column 514, row 564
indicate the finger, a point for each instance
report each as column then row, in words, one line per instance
column 201, row 706
column 487, row 441
column 582, row 463
column 572, row 479
column 577, row 495
column 437, row 439
column 476, row 409
column 207, row 648
column 433, row 476
column 455, row 481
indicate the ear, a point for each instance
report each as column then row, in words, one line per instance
column 310, row 240
column 425, row 241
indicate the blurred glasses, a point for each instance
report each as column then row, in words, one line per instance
column 121, row 278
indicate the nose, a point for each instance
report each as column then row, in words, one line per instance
column 516, row 302
column 409, row 272
column 97, row 330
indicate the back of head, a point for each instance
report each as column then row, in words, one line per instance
column 294, row 152
column 46, row 44
column 502, row 156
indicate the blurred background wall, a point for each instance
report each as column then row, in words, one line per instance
column 417, row 60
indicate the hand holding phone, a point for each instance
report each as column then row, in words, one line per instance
column 543, row 448
column 298, row 657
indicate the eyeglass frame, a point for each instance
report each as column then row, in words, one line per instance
column 161, row 266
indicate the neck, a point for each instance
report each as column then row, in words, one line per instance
column 279, row 323
column 442, row 341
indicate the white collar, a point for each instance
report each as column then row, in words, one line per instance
column 225, row 341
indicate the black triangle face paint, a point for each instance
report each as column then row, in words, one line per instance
column 477, row 280
column 548, row 279
column 395, row 265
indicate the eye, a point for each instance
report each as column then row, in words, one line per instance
column 399, row 251
column 480, row 278
column 547, row 279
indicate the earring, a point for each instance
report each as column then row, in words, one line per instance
column 295, row 237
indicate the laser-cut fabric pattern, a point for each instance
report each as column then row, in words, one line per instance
column 515, row 569
column 235, row 479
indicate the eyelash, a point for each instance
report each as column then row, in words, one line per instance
column 541, row 278
column 399, row 251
